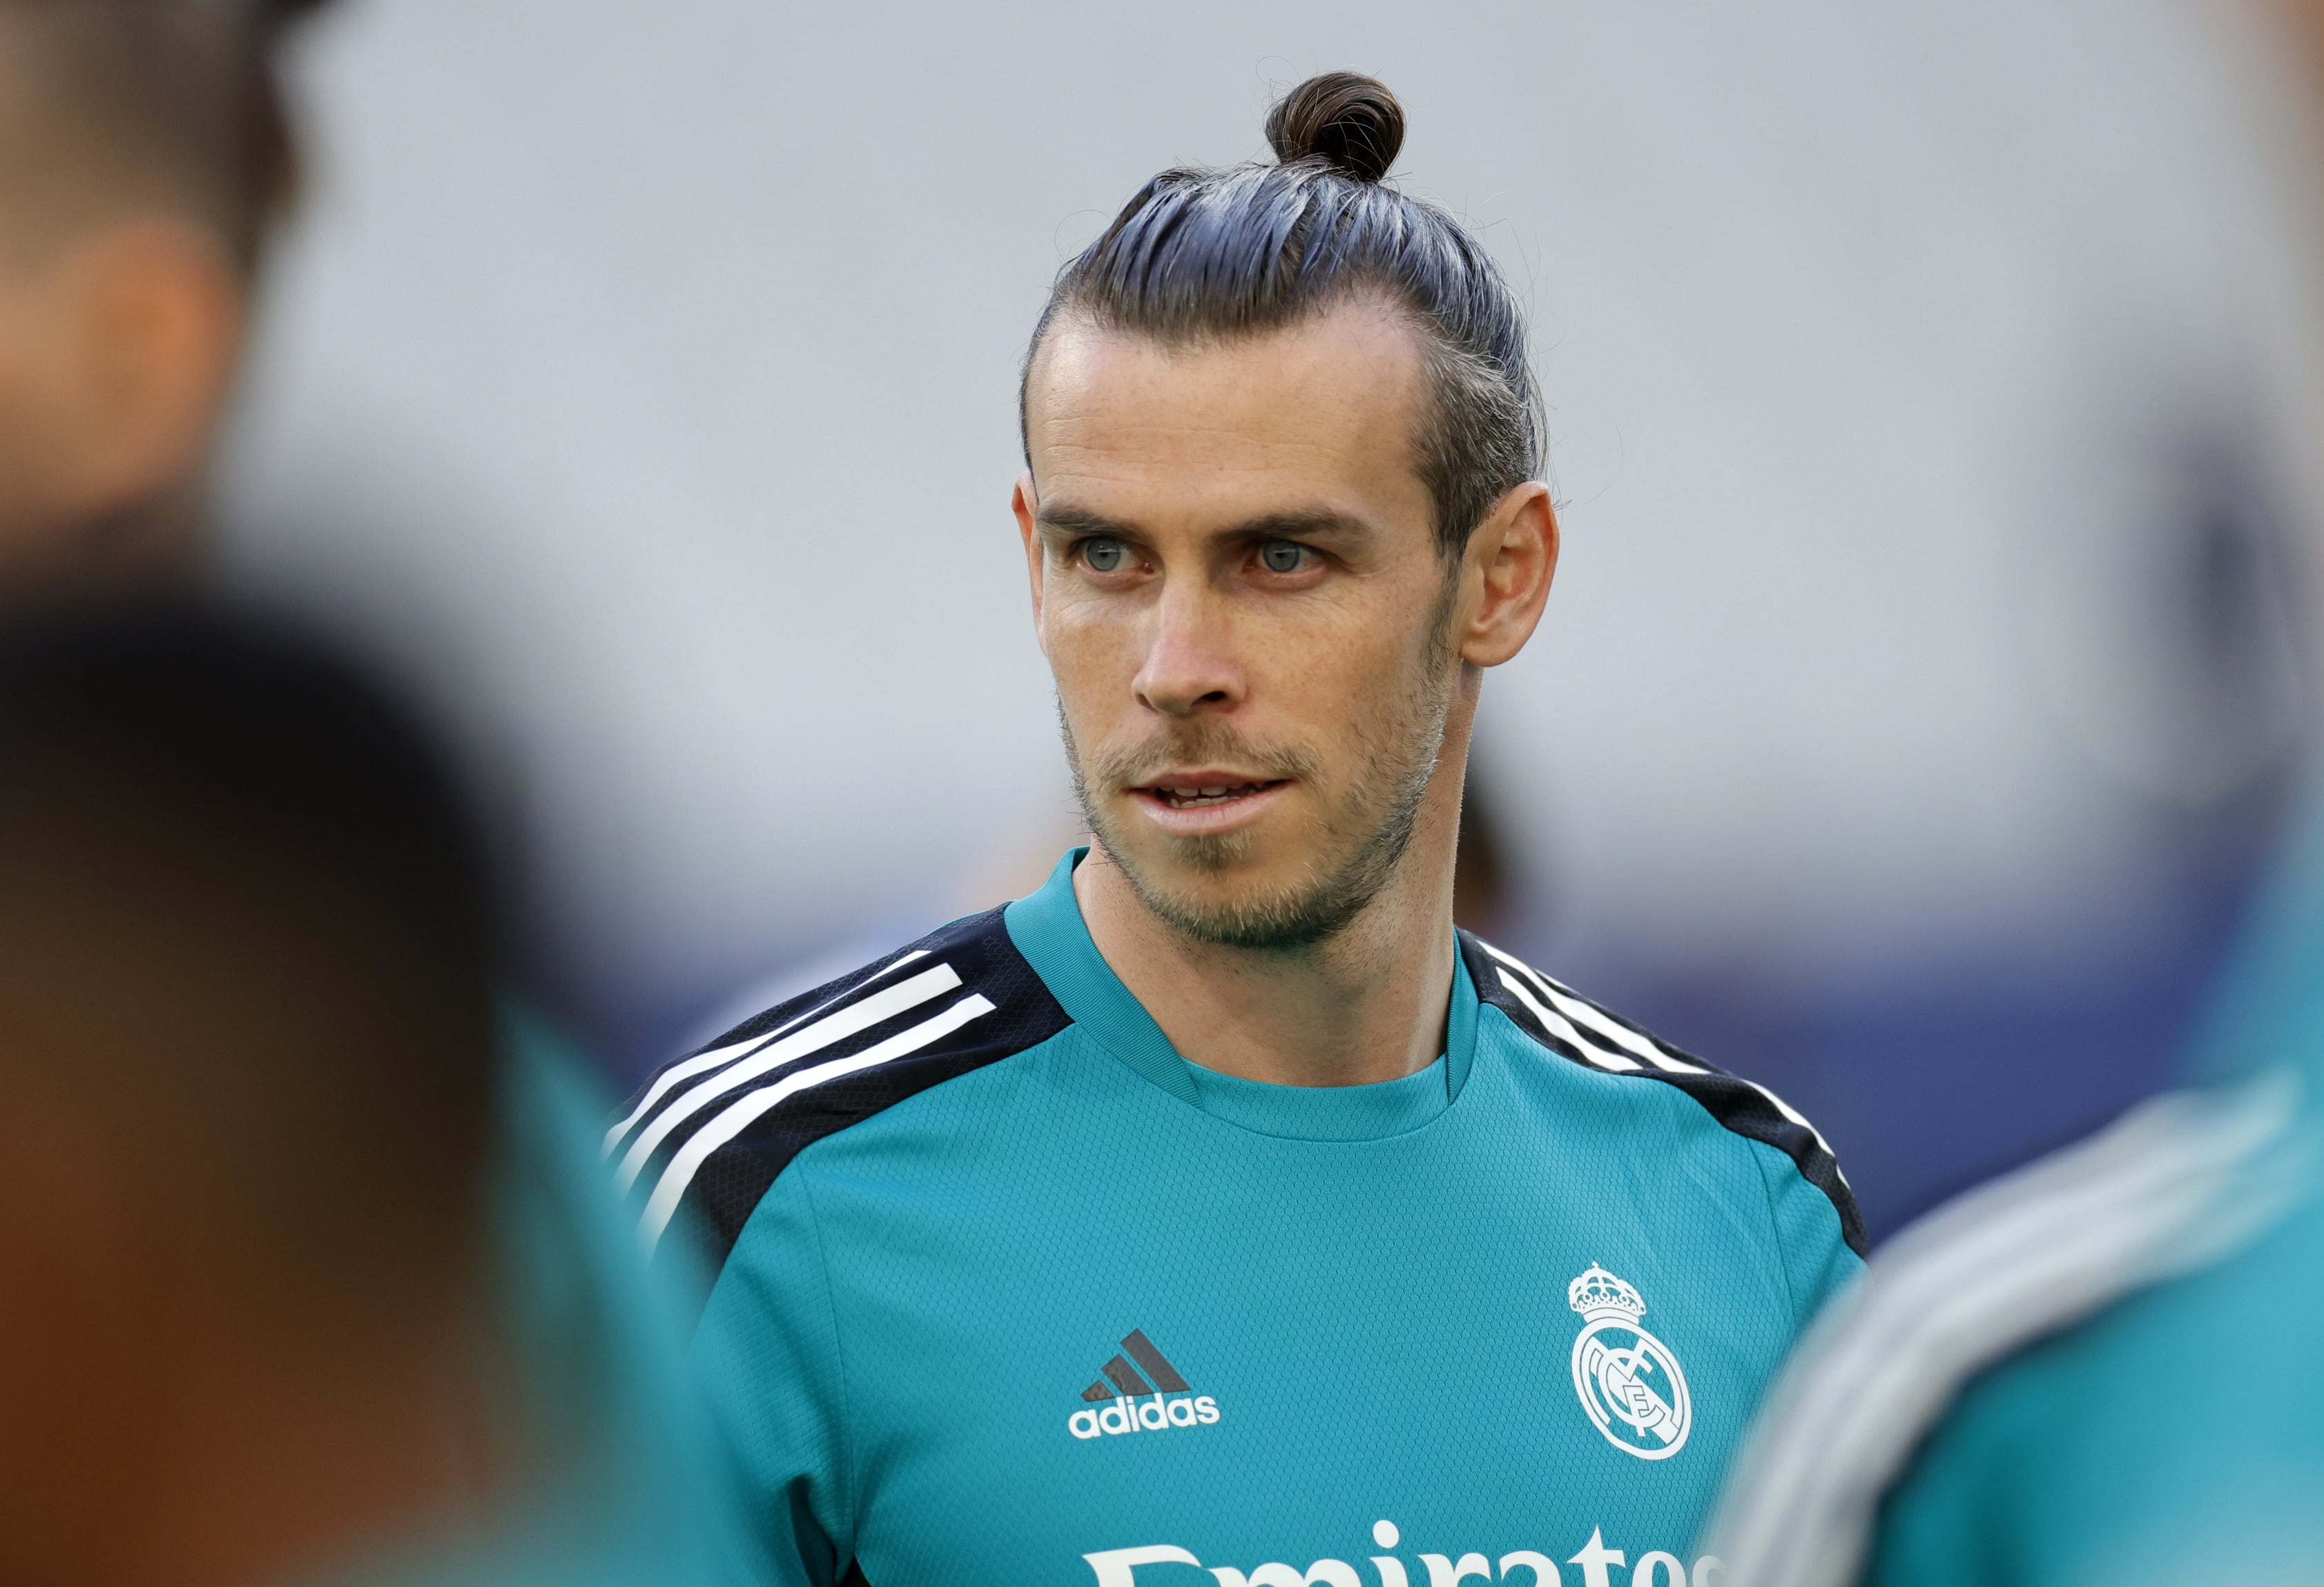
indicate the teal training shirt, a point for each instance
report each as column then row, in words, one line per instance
column 2176, row 1438
column 1008, row 1291
column 2101, row 1372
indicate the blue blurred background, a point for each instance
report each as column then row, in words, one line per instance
column 1926, row 383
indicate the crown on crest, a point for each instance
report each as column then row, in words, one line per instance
column 1598, row 1290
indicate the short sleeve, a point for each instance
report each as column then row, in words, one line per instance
column 1817, row 1262
column 769, row 1351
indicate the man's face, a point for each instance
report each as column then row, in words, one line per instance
column 1238, row 585
column 120, row 323
column 35, row 355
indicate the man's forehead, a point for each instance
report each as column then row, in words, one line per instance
column 1325, row 405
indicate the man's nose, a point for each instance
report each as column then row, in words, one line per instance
column 1189, row 668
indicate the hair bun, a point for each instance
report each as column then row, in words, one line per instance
column 1344, row 118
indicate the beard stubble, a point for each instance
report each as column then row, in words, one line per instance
column 1352, row 853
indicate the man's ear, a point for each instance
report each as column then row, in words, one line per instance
column 149, row 315
column 1026, row 506
column 1505, row 574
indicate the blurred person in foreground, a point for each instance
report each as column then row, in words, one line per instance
column 2103, row 1368
column 144, row 158
column 311, row 1275
column 1218, row 1211
column 144, row 155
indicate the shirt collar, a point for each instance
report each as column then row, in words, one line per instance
column 1048, row 929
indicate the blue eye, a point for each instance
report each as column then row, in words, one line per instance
column 1104, row 556
column 1282, row 556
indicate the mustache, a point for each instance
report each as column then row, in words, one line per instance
column 1201, row 743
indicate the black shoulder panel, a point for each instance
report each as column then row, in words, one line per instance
column 1577, row 1029
column 705, row 1138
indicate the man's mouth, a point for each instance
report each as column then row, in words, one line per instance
column 1196, row 796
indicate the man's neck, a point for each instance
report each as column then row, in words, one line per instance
column 1369, row 1005
column 158, row 544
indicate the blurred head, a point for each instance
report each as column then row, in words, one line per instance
column 245, row 1080
column 1280, row 506
column 142, row 153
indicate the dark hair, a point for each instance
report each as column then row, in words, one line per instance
column 181, row 93
column 244, row 911
column 1203, row 255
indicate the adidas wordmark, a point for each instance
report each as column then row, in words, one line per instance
column 1130, row 1411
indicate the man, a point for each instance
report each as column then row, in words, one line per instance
column 2101, row 1369
column 305, row 1282
column 143, row 159
column 1217, row 1207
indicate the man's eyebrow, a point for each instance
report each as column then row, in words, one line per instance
column 1312, row 523
column 1302, row 525
column 1062, row 520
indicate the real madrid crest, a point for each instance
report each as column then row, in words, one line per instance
column 1628, row 1380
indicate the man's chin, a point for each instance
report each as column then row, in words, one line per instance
column 1220, row 866
column 1213, row 889
column 1215, row 857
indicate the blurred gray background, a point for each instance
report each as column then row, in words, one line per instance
column 1924, row 380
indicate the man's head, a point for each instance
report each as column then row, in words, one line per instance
column 142, row 153
column 247, row 962
column 1280, row 506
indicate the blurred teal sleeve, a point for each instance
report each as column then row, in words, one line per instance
column 770, row 1355
column 2176, row 1436
column 1938, row 1527
column 649, row 1496
column 623, row 1481
column 1817, row 1262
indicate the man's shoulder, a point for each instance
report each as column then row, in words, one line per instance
column 706, row 1136
column 1574, row 1029
column 2049, row 1275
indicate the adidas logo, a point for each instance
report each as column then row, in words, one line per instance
column 1122, row 1392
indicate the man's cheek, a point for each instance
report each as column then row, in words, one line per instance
column 1093, row 690
column 1094, row 648
column 1326, row 675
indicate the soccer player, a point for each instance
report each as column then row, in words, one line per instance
column 1217, row 1214
column 2099, row 1369
column 309, row 1273
column 143, row 156
column 2102, row 1369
